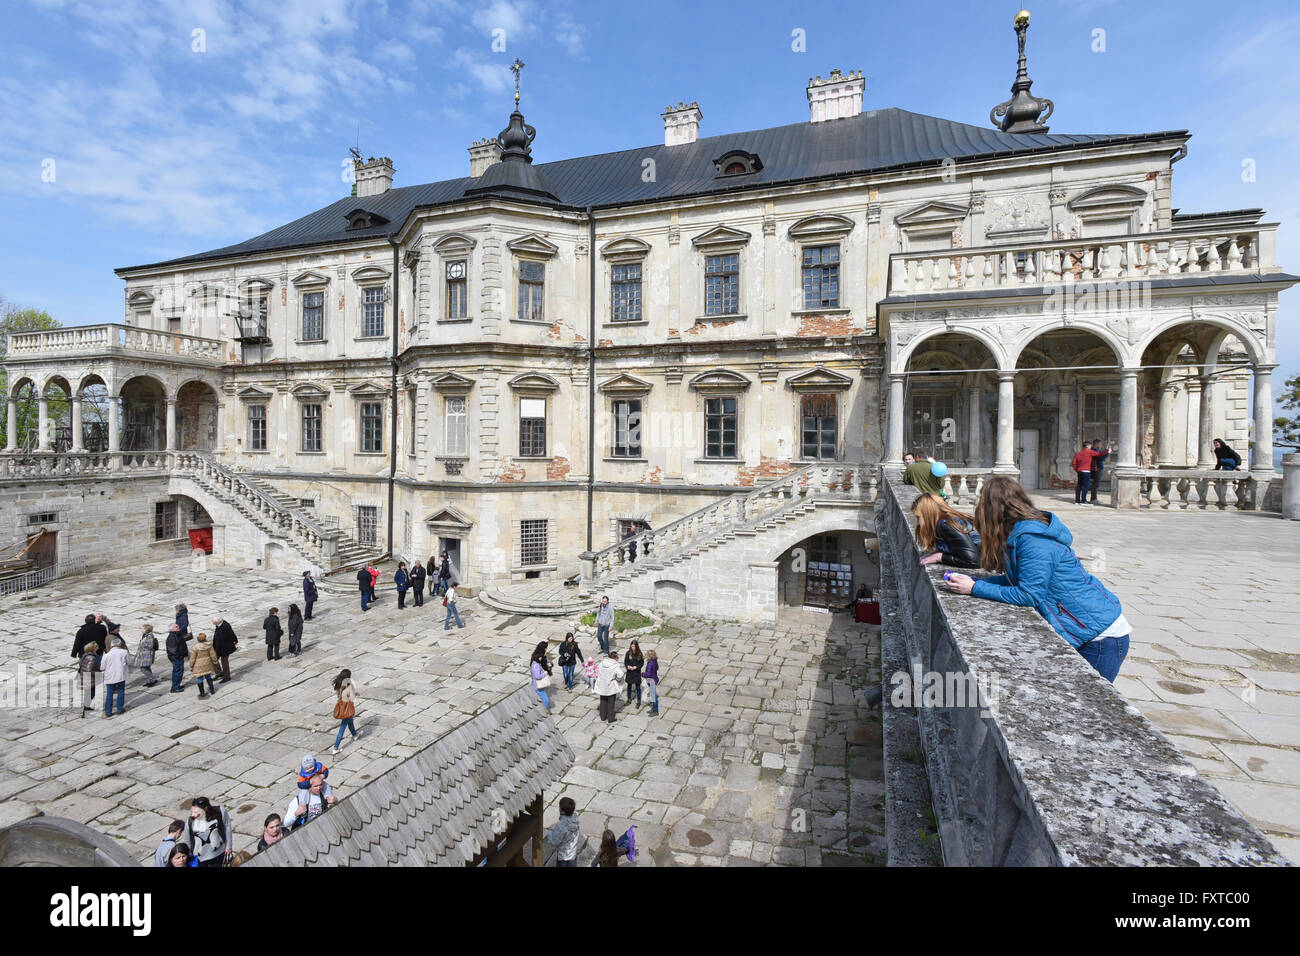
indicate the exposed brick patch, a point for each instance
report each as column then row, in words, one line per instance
column 512, row 472
column 1153, row 175
column 699, row 327
column 557, row 469
column 602, row 343
column 818, row 325
column 653, row 476
column 673, row 333
column 555, row 330
column 578, row 338
column 768, row 469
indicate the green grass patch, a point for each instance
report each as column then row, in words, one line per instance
column 623, row 620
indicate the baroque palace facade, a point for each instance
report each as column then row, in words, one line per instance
column 525, row 365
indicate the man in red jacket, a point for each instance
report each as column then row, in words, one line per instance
column 1082, row 466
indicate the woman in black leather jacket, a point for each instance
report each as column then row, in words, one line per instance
column 944, row 531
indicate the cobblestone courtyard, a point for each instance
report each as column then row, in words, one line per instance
column 762, row 752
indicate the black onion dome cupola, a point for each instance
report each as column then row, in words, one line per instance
column 514, row 176
column 1020, row 114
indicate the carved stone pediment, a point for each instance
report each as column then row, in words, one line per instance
column 720, row 237
column 452, row 384
column 449, row 518
column 367, row 391
column 719, row 380
column 933, row 213
column 534, row 382
column 251, row 393
column 139, row 299
column 308, row 392
column 370, row 273
column 533, row 246
column 818, row 379
column 625, row 384
column 821, row 226
column 453, row 244
column 308, row 278
column 1113, row 197
column 625, row 247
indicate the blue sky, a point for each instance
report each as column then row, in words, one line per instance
column 167, row 142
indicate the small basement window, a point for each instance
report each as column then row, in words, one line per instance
column 45, row 517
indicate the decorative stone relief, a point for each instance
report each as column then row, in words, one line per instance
column 1018, row 211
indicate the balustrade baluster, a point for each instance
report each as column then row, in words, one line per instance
column 1234, row 255
column 1183, row 485
column 969, row 271
column 1196, row 494
column 1212, row 259
column 1230, row 496
column 988, row 270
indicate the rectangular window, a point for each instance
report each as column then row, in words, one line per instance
column 720, row 422
column 934, row 425
column 367, row 526
column 627, row 428
column 1100, row 418
column 311, row 428
column 532, row 541
column 309, row 503
column 372, row 311
column 252, row 317
column 532, row 427
column 532, row 288
column 410, row 422
column 722, row 284
column 457, row 302
column 455, row 427
column 257, row 428
column 372, row 426
column 313, row 316
column 627, row 292
column 45, row 517
column 174, row 325
column 165, row 521
column 821, row 277
column 818, row 426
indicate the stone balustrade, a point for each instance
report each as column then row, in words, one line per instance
column 736, row 511
column 112, row 340
column 1142, row 256
column 1191, row 489
column 1030, row 756
column 962, row 486
column 26, row 466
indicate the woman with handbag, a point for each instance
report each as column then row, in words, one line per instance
column 346, row 708
column 540, row 669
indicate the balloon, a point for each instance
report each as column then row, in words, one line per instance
column 938, row 469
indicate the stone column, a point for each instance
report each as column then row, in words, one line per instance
column 114, row 439
column 42, row 423
column 1165, row 425
column 1262, row 459
column 1005, row 459
column 219, row 445
column 1190, row 450
column 975, row 441
column 1128, row 425
column 894, row 409
column 11, row 425
column 1205, row 429
column 1066, row 446
column 171, row 425
column 78, row 442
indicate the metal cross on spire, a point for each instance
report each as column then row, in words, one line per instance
column 515, row 67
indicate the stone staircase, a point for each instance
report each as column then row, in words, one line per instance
column 348, row 551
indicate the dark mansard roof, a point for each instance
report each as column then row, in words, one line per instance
column 875, row 140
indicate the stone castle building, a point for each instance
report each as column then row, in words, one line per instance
column 683, row 341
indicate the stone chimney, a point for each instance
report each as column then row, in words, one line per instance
column 682, row 124
column 836, row 97
column 482, row 154
column 373, row 176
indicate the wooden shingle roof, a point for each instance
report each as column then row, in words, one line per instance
column 436, row 808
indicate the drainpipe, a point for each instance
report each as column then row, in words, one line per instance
column 591, row 369
column 392, row 439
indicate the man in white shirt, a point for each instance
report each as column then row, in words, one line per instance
column 450, row 601
column 114, row 665
column 308, row 804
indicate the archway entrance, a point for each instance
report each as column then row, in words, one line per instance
column 142, row 415
column 825, row 571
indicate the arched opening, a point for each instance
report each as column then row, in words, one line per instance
column 1067, row 391
column 94, row 413
column 58, row 414
column 23, row 394
column 196, row 417
column 826, row 571
column 951, row 400
column 143, row 413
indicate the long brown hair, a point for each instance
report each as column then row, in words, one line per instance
column 1002, row 503
column 608, row 855
column 930, row 509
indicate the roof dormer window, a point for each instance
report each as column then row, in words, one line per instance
column 364, row 219
column 737, row 162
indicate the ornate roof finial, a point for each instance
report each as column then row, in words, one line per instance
column 515, row 67
column 1020, row 114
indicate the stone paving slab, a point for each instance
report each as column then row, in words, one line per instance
column 699, row 781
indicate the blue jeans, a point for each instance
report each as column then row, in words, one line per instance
column 1229, row 465
column 568, row 675
column 111, row 689
column 654, row 692
column 1106, row 655
column 365, row 599
column 178, row 674
column 541, row 694
column 602, row 635
column 345, row 725
column 451, row 610
column 1081, row 487
column 1096, row 483
column 573, row 862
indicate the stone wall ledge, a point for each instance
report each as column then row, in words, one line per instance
column 1056, row 767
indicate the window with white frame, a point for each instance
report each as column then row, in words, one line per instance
column 372, row 311
column 257, row 428
column 456, row 440
column 532, row 427
column 627, row 428
column 722, row 284
column 532, row 541
column 372, row 426
column 821, row 277
column 312, row 432
column 313, row 316
column 457, row 292
column 532, row 290
column 626, row 282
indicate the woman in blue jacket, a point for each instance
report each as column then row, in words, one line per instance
column 1031, row 549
